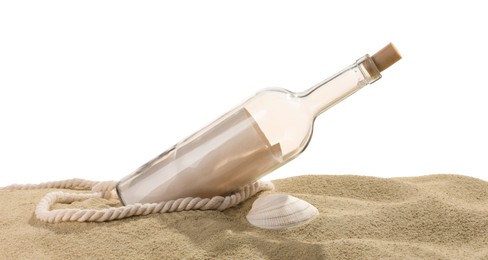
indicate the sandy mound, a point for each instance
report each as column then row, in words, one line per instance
column 438, row 216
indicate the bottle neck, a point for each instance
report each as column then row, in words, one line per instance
column 345, row 83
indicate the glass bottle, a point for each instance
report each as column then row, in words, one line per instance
column 262, row 134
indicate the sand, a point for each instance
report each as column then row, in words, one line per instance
column 430, row 217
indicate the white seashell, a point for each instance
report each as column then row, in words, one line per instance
column 280, row 211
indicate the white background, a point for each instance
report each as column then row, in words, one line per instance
column 94, row 89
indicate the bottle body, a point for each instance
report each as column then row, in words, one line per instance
column 265, row 132
column 213, row 161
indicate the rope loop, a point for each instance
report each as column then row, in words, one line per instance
column 106, row 190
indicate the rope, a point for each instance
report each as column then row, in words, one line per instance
column 106, row 190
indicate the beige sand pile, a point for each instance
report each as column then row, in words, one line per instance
column 437, row 217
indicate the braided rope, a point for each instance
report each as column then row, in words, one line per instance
column 73, row 184
column 106, row 190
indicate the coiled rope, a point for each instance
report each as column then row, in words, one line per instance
column 106, row 190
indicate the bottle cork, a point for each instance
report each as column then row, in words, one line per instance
column 386, row 57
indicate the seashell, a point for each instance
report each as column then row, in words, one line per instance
column 280, row 211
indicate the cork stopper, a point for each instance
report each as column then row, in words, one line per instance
column 386, row 57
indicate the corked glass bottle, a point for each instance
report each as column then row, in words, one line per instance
column 265, row 132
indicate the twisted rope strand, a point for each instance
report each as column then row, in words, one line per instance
column 73, row 184
column 106, row 190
